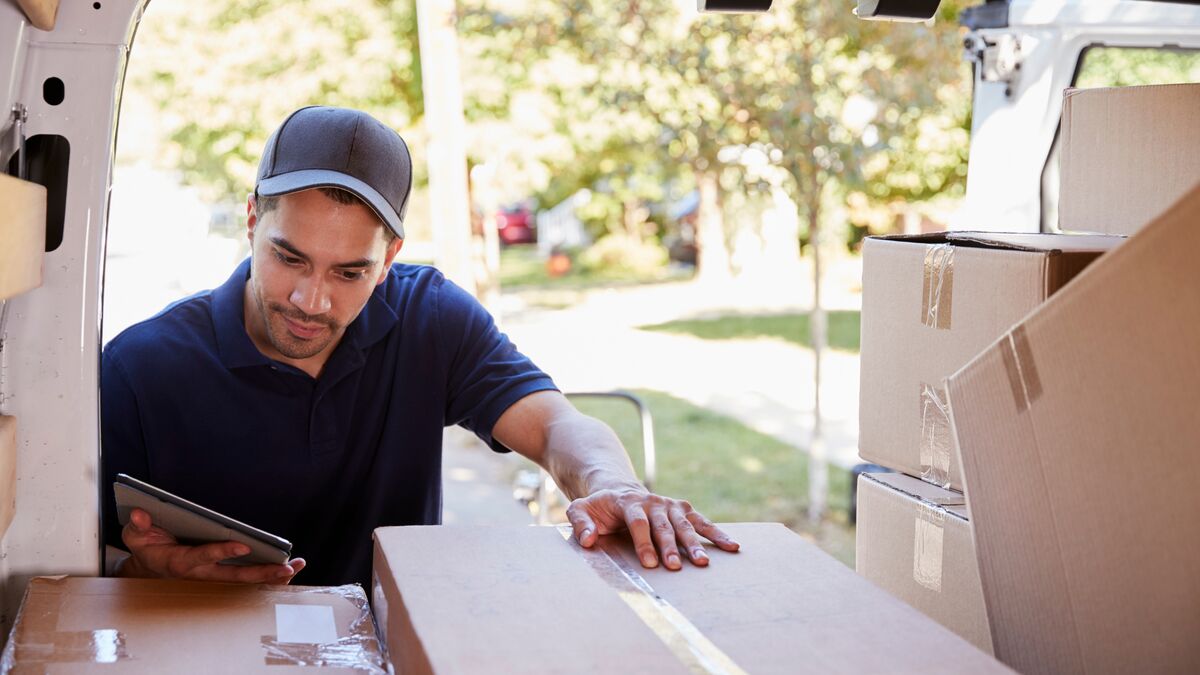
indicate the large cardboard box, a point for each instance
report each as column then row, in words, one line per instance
column 1079, row 434
column 22, row 235
column 75, row 624
column 913, row 541
column 1127, row 153
column 930, row 303
column 529, row 600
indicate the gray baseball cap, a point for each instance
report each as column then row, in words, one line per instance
column 321, row 146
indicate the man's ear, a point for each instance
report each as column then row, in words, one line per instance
column 393, row 249
column 251, row 216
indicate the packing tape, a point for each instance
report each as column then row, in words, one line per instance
column 935, row 435
column 927, row 547
column 937, row 288
column 360, row 650
column 685, row 641
column 1022, row 372
column 106, row 645
column 34, row 639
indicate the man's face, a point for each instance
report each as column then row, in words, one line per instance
column 314, row 265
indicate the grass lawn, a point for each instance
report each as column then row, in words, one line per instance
column 522, row 267
column 843, row 328
column 728, row 471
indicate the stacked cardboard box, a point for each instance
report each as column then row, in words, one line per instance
column 1077, row 429
column 530, row 600
column 914, row 541
column 74, row 624
column 930, row 303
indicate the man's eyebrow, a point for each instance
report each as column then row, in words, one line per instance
column 361, row 263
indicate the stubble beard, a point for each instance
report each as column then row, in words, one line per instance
column 282, row 340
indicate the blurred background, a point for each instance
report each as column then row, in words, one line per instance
column 649, row 199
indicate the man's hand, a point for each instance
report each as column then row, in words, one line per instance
column 156, row 553
column 660, row 526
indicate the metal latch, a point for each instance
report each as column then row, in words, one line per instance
column 998, row 58
column 20, row 115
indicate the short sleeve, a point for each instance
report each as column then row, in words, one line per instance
column 485, row 374
column 122, row 444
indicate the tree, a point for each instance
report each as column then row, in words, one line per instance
column 223, row 74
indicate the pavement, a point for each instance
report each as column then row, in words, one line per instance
column 590, row 341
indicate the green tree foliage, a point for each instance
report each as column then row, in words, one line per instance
column 224, row 73
column 1124, row 67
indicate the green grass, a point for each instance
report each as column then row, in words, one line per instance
column 728, row 471
column 522, row 267
column 792, row 327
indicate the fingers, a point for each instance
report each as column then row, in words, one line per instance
column 210, row 554
column 685, row 534
column 705, row 527
column 140, row 520
column 582, row 524
column 664, row 536
column 638, row 524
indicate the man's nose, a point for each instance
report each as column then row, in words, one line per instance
column 311, row 295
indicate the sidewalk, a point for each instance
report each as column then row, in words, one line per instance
column 767, row 384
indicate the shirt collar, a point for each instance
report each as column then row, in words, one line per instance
column 236, row 349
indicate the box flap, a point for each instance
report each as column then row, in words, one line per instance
column 1127, row 154
column 918, row 489
column 1077, row 433
column 1015, row 241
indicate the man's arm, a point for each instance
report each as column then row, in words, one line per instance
column 586, row 460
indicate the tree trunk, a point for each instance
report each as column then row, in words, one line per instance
column 818, row 469
column 712, row 253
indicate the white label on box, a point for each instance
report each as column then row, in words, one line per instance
column 307, row 624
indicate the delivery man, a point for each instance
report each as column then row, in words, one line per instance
column 307, row 395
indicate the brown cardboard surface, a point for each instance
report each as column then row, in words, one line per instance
column 898, row 518
column 930, row 303
column 1127, row 154
column 534, row 602
column 75, row 624
column 1078, row 434
column 8, row 471
column 22, row 235
column 41, row 13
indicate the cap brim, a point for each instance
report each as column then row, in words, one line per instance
column 308, row 179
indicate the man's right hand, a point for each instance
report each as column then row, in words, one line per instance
column 156, row 553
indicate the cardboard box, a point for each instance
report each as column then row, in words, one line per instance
column 1127, row 153
column 75, row 624
column 914, row 541
column 22, row 235
column 528, row 600
column 8, row 471
column 1079, row 436
column 930, row 303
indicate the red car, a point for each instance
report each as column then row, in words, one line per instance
column 516, row 225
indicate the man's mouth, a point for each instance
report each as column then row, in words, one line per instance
column 303, row 330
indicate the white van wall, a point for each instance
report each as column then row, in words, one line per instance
column 51, row 346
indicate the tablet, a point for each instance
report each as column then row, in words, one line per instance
column 193, row 524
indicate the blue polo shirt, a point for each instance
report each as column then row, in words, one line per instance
column 189, row 404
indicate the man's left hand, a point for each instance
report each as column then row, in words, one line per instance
column 661, row 527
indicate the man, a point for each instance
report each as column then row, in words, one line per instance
column 307, row 395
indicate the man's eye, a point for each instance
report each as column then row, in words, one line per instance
column 286, row 259
column 351, row 276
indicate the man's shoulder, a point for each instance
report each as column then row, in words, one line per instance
column 184, row 324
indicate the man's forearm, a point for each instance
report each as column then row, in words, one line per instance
column 584, row 456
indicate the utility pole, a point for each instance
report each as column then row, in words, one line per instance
column 450, row 206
